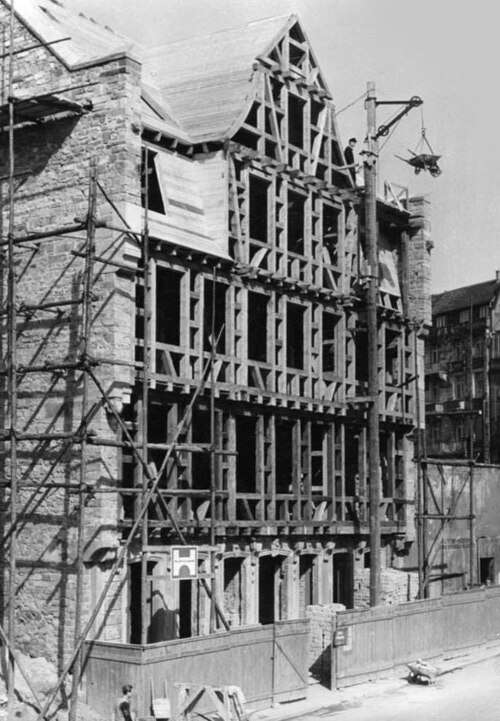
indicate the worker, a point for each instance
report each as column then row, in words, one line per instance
column 349, row 158
column 123, row 707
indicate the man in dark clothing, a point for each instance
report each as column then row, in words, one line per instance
column 349, row 158
column 123, row 708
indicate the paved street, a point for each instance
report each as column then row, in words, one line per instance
column 464, row 695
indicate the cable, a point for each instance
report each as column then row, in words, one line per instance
column 337, row 112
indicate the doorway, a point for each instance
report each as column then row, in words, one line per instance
column 343, row 579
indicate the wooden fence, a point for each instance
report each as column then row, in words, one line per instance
column 269, row 663
column 369, row 642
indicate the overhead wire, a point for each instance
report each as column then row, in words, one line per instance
column 346, row 107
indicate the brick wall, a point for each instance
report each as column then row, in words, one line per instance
column 320, row 638
column 395, row 587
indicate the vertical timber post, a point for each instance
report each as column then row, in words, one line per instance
column 370, row 173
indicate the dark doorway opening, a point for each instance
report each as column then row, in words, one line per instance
column 135, row 607
column 343, row 579
column 185, row 609
column 268, row 577
column 487, row 570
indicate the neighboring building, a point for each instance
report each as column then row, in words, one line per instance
column 226, row 243
column 463, row 373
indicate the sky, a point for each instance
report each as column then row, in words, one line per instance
column 445, row 51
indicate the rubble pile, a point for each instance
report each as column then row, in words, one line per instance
column 43, row 678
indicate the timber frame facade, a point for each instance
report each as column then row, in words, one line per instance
column 209, row 387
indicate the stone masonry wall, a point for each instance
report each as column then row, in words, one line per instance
column 418, row 250
column 52, row 164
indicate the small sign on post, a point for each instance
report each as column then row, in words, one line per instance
column 342, row 637
column 184, row 562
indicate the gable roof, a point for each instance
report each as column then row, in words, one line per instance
column 209, row 80
column 89, row 42
column 461, row 298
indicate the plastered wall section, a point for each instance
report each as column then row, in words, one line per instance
column 51, row 189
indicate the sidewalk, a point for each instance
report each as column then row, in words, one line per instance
column 321, row 699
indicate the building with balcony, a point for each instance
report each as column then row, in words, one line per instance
column 185, row 356
column 462, row 361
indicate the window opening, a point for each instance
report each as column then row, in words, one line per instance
column 157, row 431
column 384, row 466
column 478, row 385
column 295, row 336
column 331, row 233
column 391, row 357
column 220, row 316
column 464, row 316
column 252, row 117
column 295, row 121
column 284, row 456
column 246, row 447
column 259, row 191
column 139, row 312
column 155, row 197
column 316, row 109
column 317, row 461
column 200, row 461
column 361, row 340
column 351, row 462
column 328, row 345
column 247, row 138
column 168, row 306
column 296, row 222
column 297, row 56
column 257, row 327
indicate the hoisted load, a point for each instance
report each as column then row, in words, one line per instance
column 422, row 160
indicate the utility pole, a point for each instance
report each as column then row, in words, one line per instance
column 371, row 235
column 370, row 174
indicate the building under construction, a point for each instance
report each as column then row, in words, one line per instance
column 185, row 351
